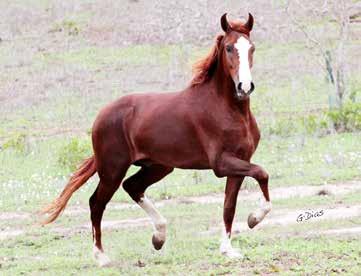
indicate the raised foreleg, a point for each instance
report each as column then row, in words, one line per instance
column 231, row 166
column 236, row 169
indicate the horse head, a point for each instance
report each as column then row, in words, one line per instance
column 236, row 54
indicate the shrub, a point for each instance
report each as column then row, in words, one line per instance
column 347, row 118
column 68, row 26
column 17, row 142
column 71, row 155
column 316, row 124
column 283, row 127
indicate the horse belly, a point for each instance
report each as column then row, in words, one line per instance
column 173, row 145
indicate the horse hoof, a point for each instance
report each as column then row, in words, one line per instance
column 157, row 242
column 102, row 260
column 233, row 253
column 105, row 263
column 252, row 220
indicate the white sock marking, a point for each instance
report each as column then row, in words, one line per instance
column 261, row 212
column 226, row 247
column 159, row 222
column 100, row 257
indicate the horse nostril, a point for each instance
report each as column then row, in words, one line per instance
column 252, row 87
column 239, row 86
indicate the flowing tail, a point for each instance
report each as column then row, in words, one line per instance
column 84, row 172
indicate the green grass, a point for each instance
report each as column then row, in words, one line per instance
column 189, row 250
column 95, row 57
column 199, row 256
column 72, row 83
column 37, row 176
column 311, row 201
column 281, row 109
column 192, row 209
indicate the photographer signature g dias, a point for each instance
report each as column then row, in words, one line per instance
column 310, row 214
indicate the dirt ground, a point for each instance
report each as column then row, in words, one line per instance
column 62, row 60
column 278, row 217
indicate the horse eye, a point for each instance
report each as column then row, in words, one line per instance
column 229, row 48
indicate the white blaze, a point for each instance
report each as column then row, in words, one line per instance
column 244, row 72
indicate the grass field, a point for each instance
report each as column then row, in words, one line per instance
column 61, row 62
column 65, row 247
column 32, row 179
column 37, row 175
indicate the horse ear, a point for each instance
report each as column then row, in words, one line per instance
column 224, row 23
column 249, row 24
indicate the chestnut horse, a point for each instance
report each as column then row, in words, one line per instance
column 209, row 125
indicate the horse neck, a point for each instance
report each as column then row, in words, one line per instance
column 225, row 89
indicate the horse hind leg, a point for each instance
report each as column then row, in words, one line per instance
column 136, row 185
column 97, row 202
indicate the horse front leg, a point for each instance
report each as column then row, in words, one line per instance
column 231, row 166
column 230, row 201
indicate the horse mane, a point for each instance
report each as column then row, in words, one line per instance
column 205, row 67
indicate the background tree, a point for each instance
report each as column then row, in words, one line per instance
column 330, row 47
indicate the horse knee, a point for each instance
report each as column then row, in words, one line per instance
column 261, row 175
column 220, row 170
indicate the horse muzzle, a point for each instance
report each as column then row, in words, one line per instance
column 241, row 93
